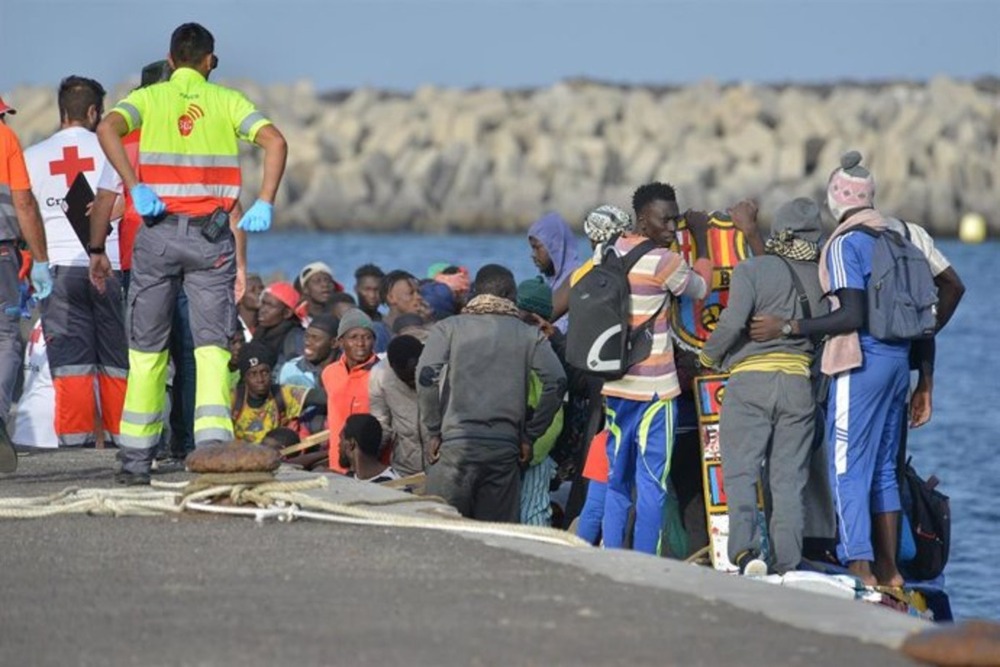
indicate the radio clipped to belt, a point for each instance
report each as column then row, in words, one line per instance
column 216, row 225
column 213, row 226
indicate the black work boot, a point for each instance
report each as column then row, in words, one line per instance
column 132, row 478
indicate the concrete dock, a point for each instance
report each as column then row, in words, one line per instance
column 208, row 590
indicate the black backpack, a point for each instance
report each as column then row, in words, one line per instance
column 598, row 340
column 929, row 514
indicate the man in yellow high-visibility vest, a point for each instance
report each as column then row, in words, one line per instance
column 187, row 184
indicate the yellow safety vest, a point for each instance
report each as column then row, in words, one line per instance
column 189, row 150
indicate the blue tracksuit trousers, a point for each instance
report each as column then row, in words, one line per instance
column 640, row 441
column 866, row 409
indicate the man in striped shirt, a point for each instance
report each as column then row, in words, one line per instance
column 640, row 405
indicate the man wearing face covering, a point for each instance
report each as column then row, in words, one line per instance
column 554, row 251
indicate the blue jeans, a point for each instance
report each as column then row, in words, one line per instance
column 183, row 390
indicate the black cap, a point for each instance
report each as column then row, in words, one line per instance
column 254, row 354
column 328, row 324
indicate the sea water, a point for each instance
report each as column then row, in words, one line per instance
column 958, row 444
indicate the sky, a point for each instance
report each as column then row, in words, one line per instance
column 402, row 44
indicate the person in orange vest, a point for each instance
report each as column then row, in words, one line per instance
column 189, row 164
column 19, row 218
column 346, row 380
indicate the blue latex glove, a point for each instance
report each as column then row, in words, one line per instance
column 41, row 279
column 146, row 203
column 258, row 218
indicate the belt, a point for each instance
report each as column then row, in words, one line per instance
column 190, row 220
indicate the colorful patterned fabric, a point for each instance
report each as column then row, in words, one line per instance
column 252, row 424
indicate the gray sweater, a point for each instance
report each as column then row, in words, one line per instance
column 763, row 286
column 472, row 380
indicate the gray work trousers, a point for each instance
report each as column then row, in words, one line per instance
column 167, row 256
column 482, row 480
column 767, row 417
column 11, row 345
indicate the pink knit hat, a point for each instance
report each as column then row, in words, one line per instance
column 852, row 186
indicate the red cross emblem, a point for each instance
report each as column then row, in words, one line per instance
column 71, row 164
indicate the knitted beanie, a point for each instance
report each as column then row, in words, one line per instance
column 535, row 297
column 606, row 221
column 851, row 186
column 354, row 319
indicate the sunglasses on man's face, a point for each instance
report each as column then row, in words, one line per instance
column 215, row 61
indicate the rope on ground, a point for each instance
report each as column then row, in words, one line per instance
column 97, row 502
column 698, row 555
column 397, row 501
column 261, row 496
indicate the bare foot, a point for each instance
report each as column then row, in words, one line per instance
column 888, row 575
column 862, row 569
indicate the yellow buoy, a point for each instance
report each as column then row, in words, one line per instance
column 972, row 228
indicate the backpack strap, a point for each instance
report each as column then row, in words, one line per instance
column 632, row 257
column 629, row 261
column 865, row 229
column 799, row 289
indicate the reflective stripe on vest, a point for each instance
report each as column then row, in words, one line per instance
column 188, row 149
column 175, row 176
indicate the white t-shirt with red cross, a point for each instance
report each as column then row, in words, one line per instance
column 53, row 165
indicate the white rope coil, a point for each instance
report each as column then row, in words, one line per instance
column 262, row 500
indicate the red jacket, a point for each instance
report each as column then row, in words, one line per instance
column 346, row 394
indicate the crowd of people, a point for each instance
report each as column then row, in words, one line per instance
column 128, row 229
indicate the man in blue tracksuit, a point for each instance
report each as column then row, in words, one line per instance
column 867, row 400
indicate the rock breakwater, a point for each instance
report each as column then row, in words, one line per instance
column 494, row 160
